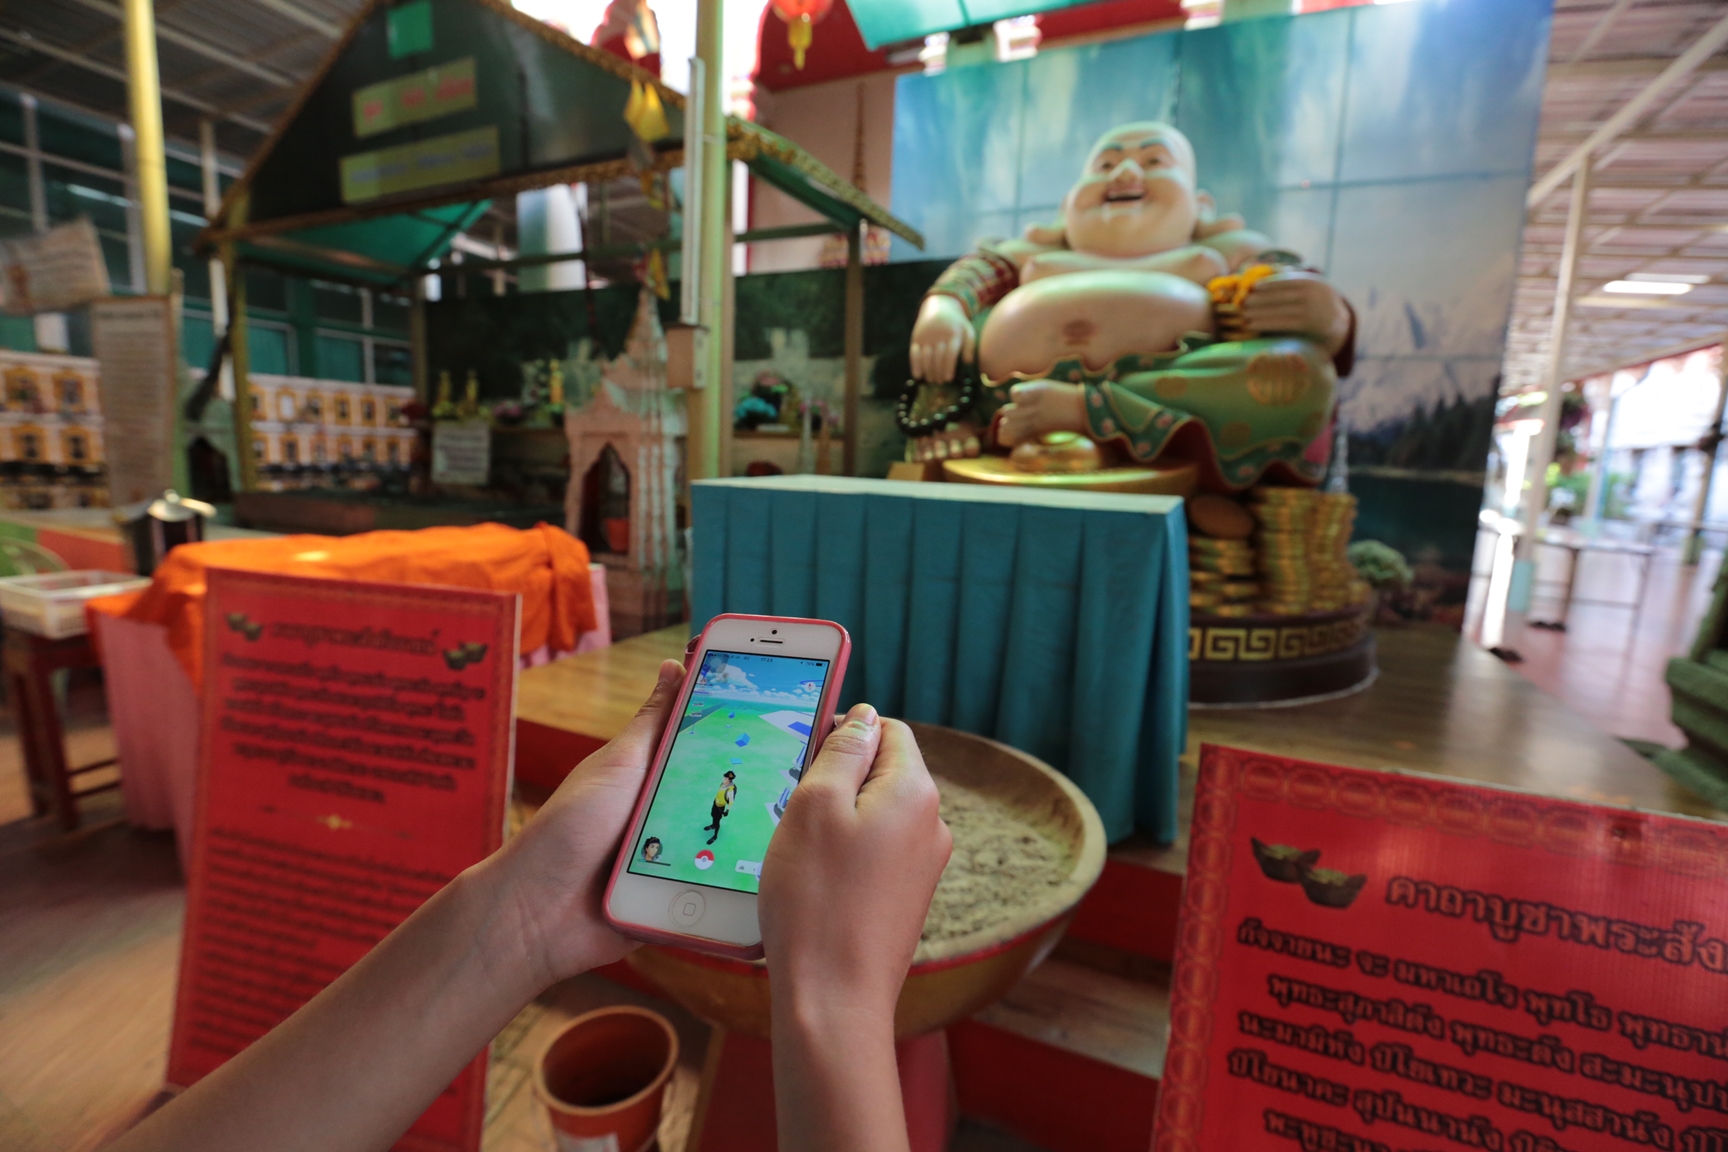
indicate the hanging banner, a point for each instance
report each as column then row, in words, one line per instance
column 138, row 366
column 415, row 98
column 355, row 753
column 52, row 270
column 1376, row 962
column 452, row 159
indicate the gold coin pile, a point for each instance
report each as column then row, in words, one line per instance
column 1301, row 550
column 1221, row 576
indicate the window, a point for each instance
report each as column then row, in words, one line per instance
column 77, row 448
column 345, row 450
column 71, row 390
column 369, row 450
column 392, row 363
column 393, row 451
column 268, row 347
column 320, row 453
column 259, row 450
column 290, row 450
column 315, row 408
column 341, row 357
column 337, row 302
column 285, row 408
column 391, row 313
column 342, row 410
column 259, row 407
column 29, row 444
column 23, row 392
column 368, row 412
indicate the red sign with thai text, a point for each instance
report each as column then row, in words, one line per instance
column 354, row 757
column 1379, row 962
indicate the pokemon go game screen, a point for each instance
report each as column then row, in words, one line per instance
column 738, row 753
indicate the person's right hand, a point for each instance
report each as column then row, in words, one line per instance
column 940, row 337
column 849, row 874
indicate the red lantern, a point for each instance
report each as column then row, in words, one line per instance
column 801, row 17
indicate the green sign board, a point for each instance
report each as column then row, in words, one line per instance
column 410, row 28
column 411, row 99
column 459, row 156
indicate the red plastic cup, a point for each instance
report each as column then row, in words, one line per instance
column 603, row 1079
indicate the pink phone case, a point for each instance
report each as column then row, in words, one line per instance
column 825, row 707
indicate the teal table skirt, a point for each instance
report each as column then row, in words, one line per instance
column 1054, row 622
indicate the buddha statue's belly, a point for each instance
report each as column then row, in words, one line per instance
column 1095, row 317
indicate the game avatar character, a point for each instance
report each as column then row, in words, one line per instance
column 722, row 805
column 651, row 848
column 1165, row 332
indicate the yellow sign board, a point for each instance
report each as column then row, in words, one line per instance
column 471, row 155
column 415, row 98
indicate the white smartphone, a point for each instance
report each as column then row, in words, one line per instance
column 758, row 698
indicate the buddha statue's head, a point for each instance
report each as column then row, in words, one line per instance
column 1137, row 194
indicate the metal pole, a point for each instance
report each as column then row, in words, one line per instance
column 239, row 352
column 134, row 223
column 218, row 272
column 150, row 161
column 417, row 343
column 854, row 343
column 1542, row 452
column 33, row 166
column 1596, row 502
column 49, row 327
column 706, row 419
column 1712, row 441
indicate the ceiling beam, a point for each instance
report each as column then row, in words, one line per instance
column 1569, row 134
column 1645, row 357
column 1600, row 28
column 1681, row 67
column 302, row 17
column 1624, row 67
column 201, row 47
column 37, row 44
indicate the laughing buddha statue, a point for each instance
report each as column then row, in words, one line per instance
column 1144, row 331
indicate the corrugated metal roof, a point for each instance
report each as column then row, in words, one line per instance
column 239, row 62
column 1659, row 193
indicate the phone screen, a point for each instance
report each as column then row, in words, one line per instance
column 739, row 751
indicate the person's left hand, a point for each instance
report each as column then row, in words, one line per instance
column 557, row 866
column 1298, row 302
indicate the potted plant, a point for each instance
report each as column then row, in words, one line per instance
column 1384, row 569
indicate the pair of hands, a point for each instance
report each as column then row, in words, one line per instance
column 1293, row 301
column 846, row 882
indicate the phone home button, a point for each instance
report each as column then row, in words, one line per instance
column 688, row 908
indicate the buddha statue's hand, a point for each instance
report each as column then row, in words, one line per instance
column 940, row 337
column 1300, row 303
column 1041, row 406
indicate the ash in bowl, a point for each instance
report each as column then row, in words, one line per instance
column 1002, row 863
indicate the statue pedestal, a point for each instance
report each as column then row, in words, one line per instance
column 1271, row 661
column 1180, row 480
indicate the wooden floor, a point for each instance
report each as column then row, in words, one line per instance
column 1609, row 662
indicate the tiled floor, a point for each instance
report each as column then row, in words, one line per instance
column 1609, row 662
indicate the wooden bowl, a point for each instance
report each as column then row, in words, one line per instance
column 950, row 979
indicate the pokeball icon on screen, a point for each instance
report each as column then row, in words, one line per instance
column 704, row 859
